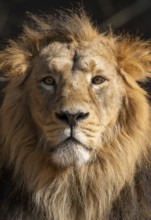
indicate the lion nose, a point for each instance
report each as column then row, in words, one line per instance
column 70, row 118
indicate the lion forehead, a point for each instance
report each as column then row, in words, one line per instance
column 57, row 56
column 63, row 56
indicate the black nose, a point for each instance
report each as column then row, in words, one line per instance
column 71, row 119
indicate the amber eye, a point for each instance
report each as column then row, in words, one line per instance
column 98, row 80
column 48, row 80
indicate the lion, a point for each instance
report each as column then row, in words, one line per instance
column 75, row 128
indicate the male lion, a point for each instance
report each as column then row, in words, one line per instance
column 75, row 124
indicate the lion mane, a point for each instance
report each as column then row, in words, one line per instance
column 108, row 179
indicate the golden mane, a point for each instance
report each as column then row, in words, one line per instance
column 41, row 31
column 65, row 27
column 117, row 185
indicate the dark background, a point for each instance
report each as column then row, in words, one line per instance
column 132, row 16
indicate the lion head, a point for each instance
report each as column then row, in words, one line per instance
column 74, row 122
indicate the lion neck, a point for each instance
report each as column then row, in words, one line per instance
column 86, row 192
column 83, row 193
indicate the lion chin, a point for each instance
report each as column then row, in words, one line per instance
column 70, row 153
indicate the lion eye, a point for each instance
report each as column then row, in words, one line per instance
column 48, row 81
column 98, row 80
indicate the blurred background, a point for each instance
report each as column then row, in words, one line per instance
column 132, row 16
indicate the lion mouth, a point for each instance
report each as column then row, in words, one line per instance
column 70, row 152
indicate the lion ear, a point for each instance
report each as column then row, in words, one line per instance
column 134, row 57
column 14, row 60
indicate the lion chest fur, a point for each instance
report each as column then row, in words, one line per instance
column 75, row 124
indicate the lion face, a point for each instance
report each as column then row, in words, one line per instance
column 75, row 93
column 75, row 125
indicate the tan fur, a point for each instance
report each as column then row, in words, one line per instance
column 116, row 133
